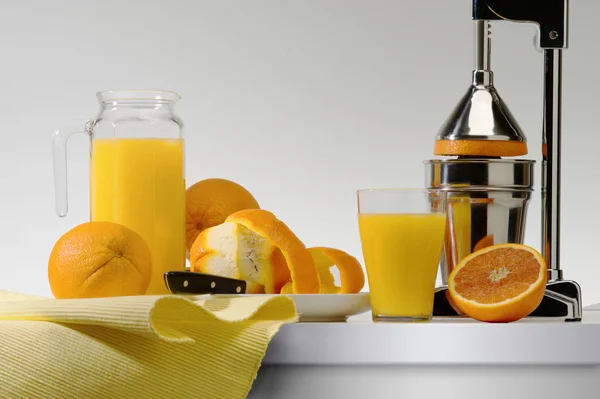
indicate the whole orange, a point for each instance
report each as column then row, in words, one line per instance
column 209, row 202
column 99, row 259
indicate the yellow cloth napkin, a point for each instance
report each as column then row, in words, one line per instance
column 135, row 347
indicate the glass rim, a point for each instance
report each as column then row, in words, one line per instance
column 400, row 190
column 137, row 95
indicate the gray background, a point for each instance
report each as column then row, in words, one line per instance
column 302, row 102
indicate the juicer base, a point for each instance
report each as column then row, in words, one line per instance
column 561, row 300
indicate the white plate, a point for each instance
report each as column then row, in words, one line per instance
column 328, row 307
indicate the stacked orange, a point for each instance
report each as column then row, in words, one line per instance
column 252, row 244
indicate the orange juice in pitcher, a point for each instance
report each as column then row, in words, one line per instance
column 137, row 173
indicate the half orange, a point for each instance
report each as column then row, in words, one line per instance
column 500, row 283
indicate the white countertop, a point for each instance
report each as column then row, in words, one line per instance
column 439, row 342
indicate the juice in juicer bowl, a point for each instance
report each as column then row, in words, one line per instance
column 486, row 203
column 137, row 172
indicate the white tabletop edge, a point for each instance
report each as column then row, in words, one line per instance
column 440, row 342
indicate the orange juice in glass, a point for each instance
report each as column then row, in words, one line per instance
column 402, row 235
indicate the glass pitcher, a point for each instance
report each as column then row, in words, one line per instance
column 137, row 173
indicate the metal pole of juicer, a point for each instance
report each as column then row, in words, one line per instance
column 551, row 136
column 563, row 297
column 483, row 46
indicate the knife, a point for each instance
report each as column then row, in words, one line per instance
column 192, row 283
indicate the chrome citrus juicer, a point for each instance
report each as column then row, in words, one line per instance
column 488, row 189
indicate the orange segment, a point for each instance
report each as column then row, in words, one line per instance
column 500, row 283
column 352, row 277
column 303, row 273
column 459, row 210
column 483, row 148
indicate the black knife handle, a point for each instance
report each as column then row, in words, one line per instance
column 192, row 283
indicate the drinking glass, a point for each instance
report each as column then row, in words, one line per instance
column 402, row 236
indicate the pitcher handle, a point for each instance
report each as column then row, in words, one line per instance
column 59, row 153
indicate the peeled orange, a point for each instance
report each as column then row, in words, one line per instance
column 232, row 250
column 302, row 271
column 255, row 246
column 209, row 202
column 499, row 283
column 99, row 259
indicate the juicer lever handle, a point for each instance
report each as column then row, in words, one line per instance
column 551, row 16
column 59, row 153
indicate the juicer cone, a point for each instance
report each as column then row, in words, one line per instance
column 481, row 124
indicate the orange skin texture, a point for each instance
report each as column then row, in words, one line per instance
column 302, row 269
column 499, row 284
column 99, row 259
column 209, row 202
column 482, row 148
column 352, row 277
column 544, row 150
column 485, row 242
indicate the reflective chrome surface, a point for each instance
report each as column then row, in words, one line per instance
column 551, row 139
column 479, row 174
column 483, row 51
column 481, row 114
column 550, row 16
column 486, row 203
column 562, row 300
column 478, row 219
column 563, row 297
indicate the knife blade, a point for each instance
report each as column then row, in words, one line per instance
column 193, row 283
